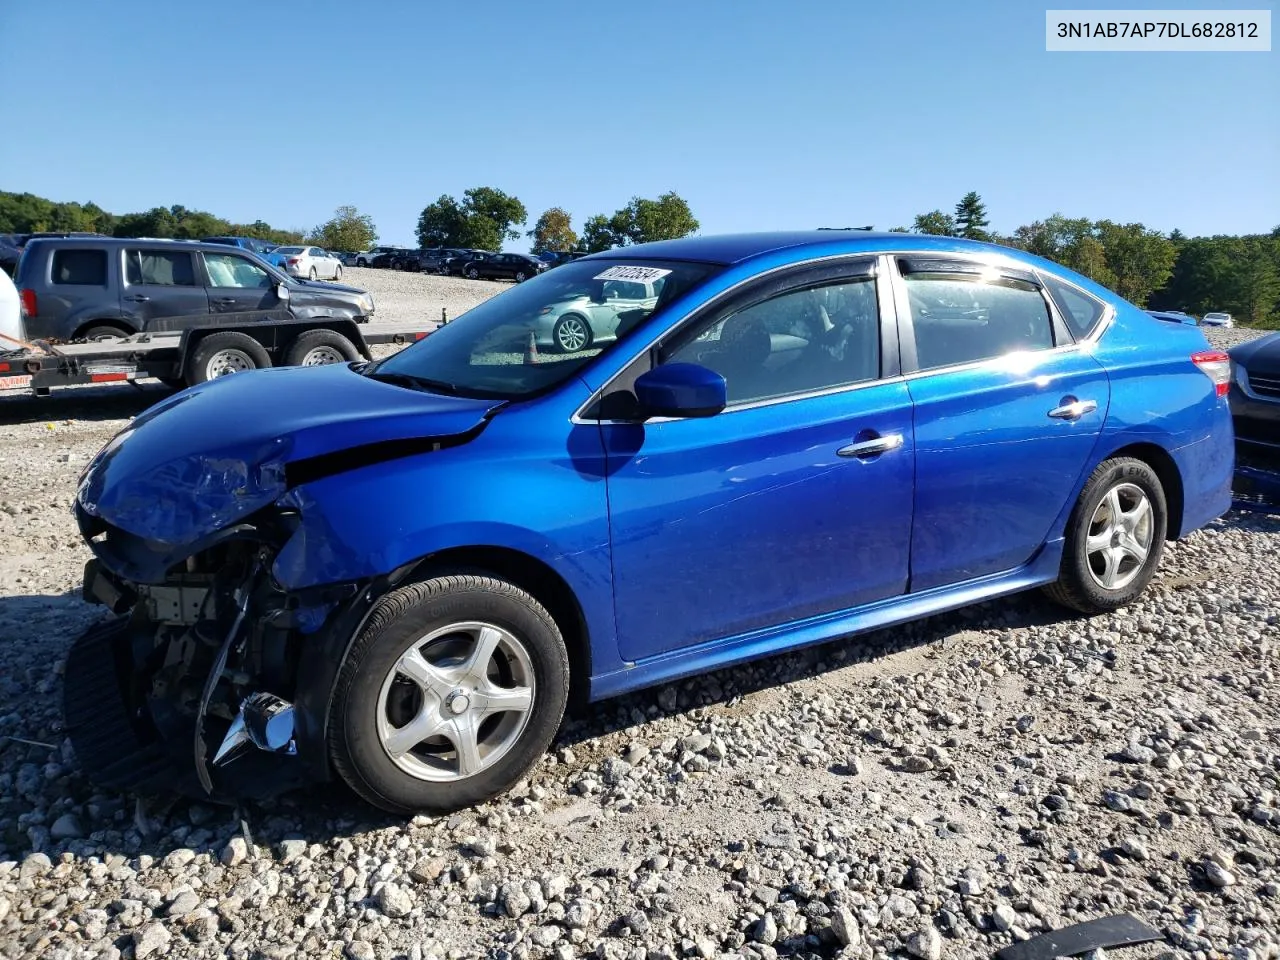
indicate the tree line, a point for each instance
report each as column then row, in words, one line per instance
column 1237, row 274
column 486, row 217
column 27, row 213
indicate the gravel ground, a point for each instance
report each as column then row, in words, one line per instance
column 939, row 789
column 419, row 297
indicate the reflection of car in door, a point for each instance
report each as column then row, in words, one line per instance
column 238, row 285
column 594, row 315
column 161, row 290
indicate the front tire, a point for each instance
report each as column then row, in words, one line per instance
column 453, row 690
column 1115, row 538
column 473, row 274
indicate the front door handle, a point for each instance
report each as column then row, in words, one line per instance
column 1073, row 409
column 138, row 298
column 224, row 300
column 873, row 447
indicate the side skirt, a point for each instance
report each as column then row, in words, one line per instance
column 675, row 665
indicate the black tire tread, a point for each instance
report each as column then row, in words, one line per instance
column 387, row 611
column 227, row 339
column 1069, row 590
column 305, row 342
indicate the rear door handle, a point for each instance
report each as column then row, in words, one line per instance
column 138, row 298
column 224, row 300
column 1073, row 409
column 872, row 447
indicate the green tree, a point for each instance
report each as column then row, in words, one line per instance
column 971, row 217
column 1140, row 259
column 491, row 217
column 643, row 220
column 348, row 230
column 484, row 219
column 1254, row 284
column 597, row 234
column 553, row 231
column 441, row 223
column 935, row 222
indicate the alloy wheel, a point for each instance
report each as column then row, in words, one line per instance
column 571, row 334
column 456, row 701
column 1119, row 538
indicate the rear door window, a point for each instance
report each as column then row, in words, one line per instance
column 968, row 319
column 80, row 268
column 166, row 268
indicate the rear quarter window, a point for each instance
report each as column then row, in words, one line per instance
column 1080, row 311
column 82, row 268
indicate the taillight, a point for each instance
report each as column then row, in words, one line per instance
column 28, row 303
column 1215, row 365
column 293, row 261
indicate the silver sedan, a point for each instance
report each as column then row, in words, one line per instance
column 574, row 324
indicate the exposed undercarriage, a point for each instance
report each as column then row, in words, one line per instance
column 205, row 682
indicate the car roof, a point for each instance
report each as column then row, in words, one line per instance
column 808, row 244
column 99, row 243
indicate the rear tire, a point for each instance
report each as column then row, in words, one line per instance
column 220, row 354
column 337, row 274
column 473, row 274
column 1115, row 538
column 360, row 262
column 312, row 274
column 318, row 347
column 422, row 695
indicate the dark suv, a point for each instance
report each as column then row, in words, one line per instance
column 87, row 288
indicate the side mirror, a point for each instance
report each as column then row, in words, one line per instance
column 282, row 291
column 681, row 390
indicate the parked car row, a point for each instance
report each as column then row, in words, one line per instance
column 460, row 262
column 311, row 263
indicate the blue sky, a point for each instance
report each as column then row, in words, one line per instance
column 762, row 115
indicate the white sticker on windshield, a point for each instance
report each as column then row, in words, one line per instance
column 639, row 274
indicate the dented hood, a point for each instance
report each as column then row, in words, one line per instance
column 216, row 453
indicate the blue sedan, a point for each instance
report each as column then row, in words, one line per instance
column 398, row 572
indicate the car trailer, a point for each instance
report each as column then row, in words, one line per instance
column 186, row 357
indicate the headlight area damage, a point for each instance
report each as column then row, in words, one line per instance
column 213, row 678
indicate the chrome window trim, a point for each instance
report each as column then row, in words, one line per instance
column 994, row 259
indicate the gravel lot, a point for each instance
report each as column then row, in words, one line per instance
column 419, row 297
column 939, row 789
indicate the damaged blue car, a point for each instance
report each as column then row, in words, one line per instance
column 401, row 572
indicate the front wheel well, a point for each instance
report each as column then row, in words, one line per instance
column 540, row 581
column 1166, row 469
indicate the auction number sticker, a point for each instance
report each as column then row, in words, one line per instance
column 639, row 274
column 15, row 383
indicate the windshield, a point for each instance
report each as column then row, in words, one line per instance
column 541, row 332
